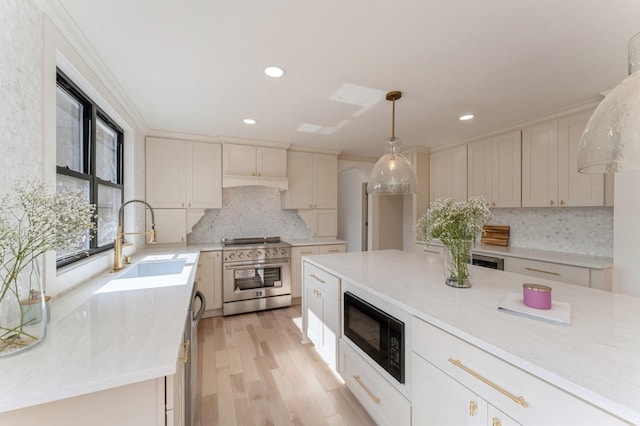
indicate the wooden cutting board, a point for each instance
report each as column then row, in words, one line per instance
column 497, row 235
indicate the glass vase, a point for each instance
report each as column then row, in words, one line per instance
column 456, row 266
column 23, row 314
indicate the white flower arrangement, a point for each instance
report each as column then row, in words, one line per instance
column 450, row 221
column 455, row 224
column 34, row 219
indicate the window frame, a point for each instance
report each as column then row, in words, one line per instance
column 91, row 113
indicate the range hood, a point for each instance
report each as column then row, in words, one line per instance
column 231, row 181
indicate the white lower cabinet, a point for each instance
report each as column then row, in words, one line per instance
column 454, row 379
column 209, row 279
column 384, row 403
column 321, row 312
column 440, row 400
column 296, row 262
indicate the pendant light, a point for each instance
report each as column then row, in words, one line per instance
column 393, row 173
column 611, row 140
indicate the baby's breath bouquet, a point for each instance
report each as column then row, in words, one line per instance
column 455, row 224
column 34, row 219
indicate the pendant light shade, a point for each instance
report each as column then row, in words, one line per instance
column 611, row 140
column 393, row 173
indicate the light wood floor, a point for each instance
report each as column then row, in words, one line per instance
column 255, row 371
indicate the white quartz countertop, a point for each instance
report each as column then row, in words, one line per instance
column 582, row 260
column 105, row 334
column 596, row 357
column 315, row 242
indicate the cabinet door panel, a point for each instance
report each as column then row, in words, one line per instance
column 300, row 172
column 165, row 175
column 448, row 174
column 271, row 162
column 239, row 160
column 314, row 312
column 440, row 400
column 204, row 175
column 540, row 165
column 171, row 225
column 506, row 179
column 480, row 169
column 325, row 169
column 326, row 223
column 576, row 189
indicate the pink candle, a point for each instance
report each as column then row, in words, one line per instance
column 536, row 296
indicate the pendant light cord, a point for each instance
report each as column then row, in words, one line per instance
column 393, row 120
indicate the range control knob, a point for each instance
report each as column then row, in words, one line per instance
column 241, row 255
column 232, row 255
column 258, row 253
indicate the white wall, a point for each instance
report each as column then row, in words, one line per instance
column 31, row 46
column 626, row 234
column 350, row 209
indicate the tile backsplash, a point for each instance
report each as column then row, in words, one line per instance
column 584, row 230
column 249, row 211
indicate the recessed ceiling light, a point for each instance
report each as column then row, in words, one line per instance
column 249, row 121
column 274, row 71
column 465, row 117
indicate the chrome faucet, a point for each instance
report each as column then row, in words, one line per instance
column 117, row 246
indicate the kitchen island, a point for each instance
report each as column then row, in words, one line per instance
column 594, row 359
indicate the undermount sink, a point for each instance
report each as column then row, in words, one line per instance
column 152, row 269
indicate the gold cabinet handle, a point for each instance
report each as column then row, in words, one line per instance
column 551, row 202
column 542, row 270
column 432, row 251
column 517, row 399
column 562, row 202
column 318, row 278
column 335, row 251
column 472, row 408
column 496, row 422
column 186, row 345
column 493, row 204
column 307, row 252
column 366, row 389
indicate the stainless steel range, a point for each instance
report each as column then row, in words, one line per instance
column 257, row 274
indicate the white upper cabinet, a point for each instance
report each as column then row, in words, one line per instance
column 257, row 161
column 540, row 165
column 183, row 174
column 448, row 174
column 550, row 176
column 494, row 170
column 313, row 181
column 576, row 189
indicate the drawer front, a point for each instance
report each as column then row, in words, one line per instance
column 382, row 401
column 548, row 271
column 503, row 385
column 332, row 248
column 298, row 252
column 319, row 278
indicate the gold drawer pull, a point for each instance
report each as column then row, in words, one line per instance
column 496, row 422
column 542, row 270
column 318, row 278
column 335, row 251
column 366, row 389
column 432, row 251
column 186, row 345
column 472, row 408
column 517, row 399
column 307, row 252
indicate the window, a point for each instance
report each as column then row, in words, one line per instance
column 89, row 158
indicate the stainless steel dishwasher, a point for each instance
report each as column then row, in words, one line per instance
column 191, row 373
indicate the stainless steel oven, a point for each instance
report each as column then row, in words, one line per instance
column 257, row 274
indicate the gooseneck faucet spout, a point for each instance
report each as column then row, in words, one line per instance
column 117, row 246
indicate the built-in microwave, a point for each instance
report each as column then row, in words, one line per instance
column 378, row 334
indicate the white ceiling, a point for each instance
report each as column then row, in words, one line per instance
column 196, row 66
